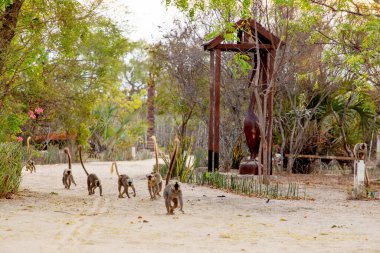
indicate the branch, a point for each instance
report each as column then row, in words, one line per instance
column 357, row 12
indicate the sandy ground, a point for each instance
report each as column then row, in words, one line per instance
column 45, row 217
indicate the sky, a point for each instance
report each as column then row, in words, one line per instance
column 141, row 19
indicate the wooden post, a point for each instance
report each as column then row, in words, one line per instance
column 211, row 114
column 217, row 108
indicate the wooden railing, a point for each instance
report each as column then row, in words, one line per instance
column 331, row 157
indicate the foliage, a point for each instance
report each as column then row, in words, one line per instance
column 10, row 167
column 143, row 154
column 4, row 4
column 343, row 117
column 66, row 59
column 90, row 80
column 10, row 125
column 200, row 158
column 184, row 164
column 116, row 125
column 237, row 153
column 183, row 80
column 53, row 155
column 83, row 134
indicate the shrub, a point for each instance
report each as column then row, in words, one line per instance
column 237, row 153
column 52, row 155
column 143, row 154
column 184, row 163
column 10, row 167
column 200, row 158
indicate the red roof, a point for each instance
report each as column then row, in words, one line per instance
column 245, row 30
column 55, row 137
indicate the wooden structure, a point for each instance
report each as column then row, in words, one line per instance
column 327, row 157
column 246, row 31
column 54, row 137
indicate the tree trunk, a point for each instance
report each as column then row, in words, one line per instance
column 151, row 110
column 378, row 151
column 8, row 19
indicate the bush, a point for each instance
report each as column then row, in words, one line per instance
column 163, row 169
column 237, row 153
column 122, row 154
column 10, row 167
column 51, row 156
column 143, row 154
column 184, row 163
column 200, row 158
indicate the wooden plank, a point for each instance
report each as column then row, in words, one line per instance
column 211, row 113
column 217, row 107
column 242, row 47
column 264, row 32
column 210, row 45
column 213, row 43
column 331, row 157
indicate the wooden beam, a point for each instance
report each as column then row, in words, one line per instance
column 211, row 113
column 213, row 43
column 242, row 47
column 264, row 32
column 331, row 157
column 210, row 45
column 217, row 107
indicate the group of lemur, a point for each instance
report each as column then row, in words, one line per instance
column 172, row 192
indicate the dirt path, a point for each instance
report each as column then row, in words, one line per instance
column 47, row 218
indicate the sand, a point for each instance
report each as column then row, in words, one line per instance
column 45, row 217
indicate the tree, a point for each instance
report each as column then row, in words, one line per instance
column 63, row 58
column 116, row 126
column 9, row 18
column 182, row 91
